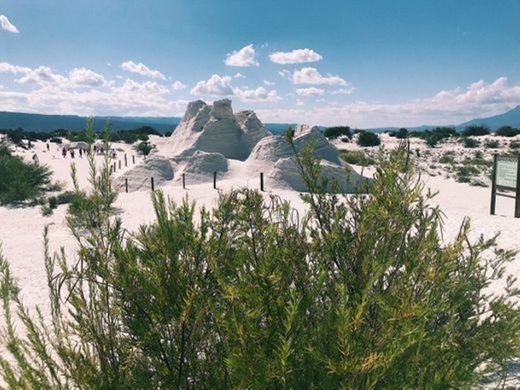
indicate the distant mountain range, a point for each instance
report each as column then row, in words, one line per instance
column 42, row 122
column 508, row 118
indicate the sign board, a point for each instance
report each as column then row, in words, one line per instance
column 506, row 172
column 506, row 177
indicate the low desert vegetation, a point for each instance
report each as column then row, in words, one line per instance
column 356, row 157
column 507, row 131
column 22, row 182
column 434, row 136
column 367, row 139
column 20, row 137
column 144, row 148
column 337, row 131
column 470, row 142
column 360, row 292
column 475, row 131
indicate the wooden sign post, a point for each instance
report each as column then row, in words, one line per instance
column 506, row 177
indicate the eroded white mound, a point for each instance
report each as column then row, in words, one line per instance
column 273, row 148
column 200, row 166
column 156, row 166
column 215, row 129
column 287, row 173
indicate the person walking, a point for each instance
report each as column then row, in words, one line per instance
column 35, row 159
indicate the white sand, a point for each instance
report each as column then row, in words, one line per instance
column 21, row 228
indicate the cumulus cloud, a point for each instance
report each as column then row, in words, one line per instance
column 259, row 94
column 447, row 107
column 215, row 86
column 312, row 76
column 7, row 25
column 177, row 85
column 218, row 86
column 239, row 75
column 286, row 74
column 43, row 75
column 244, row 57
column 343, row 91
column 268, row 83
column 296, row 56
column 142, row 69
column 130, row 98
column 87, row 77
column 312, row 91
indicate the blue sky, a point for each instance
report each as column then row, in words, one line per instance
column 362, row 63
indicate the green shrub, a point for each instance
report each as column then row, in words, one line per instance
column 356, row 157
column 367, row 138
column 21, row 182
column 492, row 144
column 507, row 131
column 514, row 145
column 469, row 142
column 144, row 148
column 402, row 133
column 447, row 159
column 475, row 131
column 465, row 173
column 362, row 292
column 337, row 131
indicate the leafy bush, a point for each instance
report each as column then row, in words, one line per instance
column 514, row 145
column 337, row 131
column 469, row 142
column 475, row 131
column 447, row 159
column 144, row 148
column 54, row 201
column 367, row 138
column 362, row 292
column 402, row 133
column 465, row 173
column 20, row 181
column 356, row 157
column 492, row 144
column 507, row 131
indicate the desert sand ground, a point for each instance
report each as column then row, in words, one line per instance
column 21, row 229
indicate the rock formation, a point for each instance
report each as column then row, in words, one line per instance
column 287, row 173
column 158, row 167
column 276, row 147
column 215, row 129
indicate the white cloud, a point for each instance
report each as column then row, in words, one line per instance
column 7, row 25
column 312, row 91
column 286, row 74
column 259, row 94
column 244, row 57
column 83, row 76
column 177, row 85
column 44, row 76
column 312, row 76
column 215, row 86
column 218, row 85
column 239, row 75
column 142, row 69
column 130, row 98
column 300, row 102
column 268, row 83
column 448, row 107
column 343, row 91
column 296, row 56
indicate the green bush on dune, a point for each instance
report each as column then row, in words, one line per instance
column 21, row 182
column 361, row 292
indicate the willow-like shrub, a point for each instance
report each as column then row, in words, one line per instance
column 360, row 292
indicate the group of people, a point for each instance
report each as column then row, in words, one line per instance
column 71, row 152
